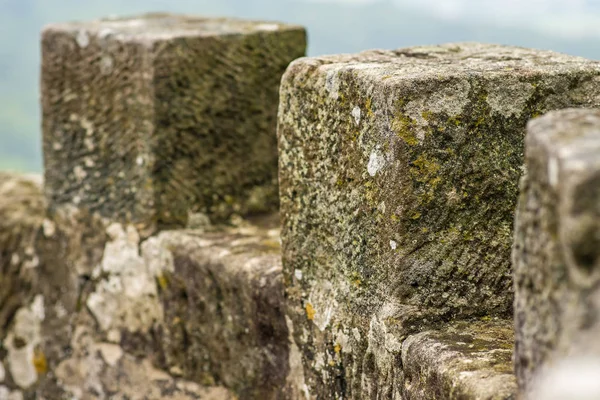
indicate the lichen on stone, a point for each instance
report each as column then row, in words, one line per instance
column 413, row 206
column 183, row 120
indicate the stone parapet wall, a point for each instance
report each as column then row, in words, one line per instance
column 97, row 312
column 166, row 255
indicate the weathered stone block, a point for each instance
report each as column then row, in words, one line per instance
column 98, row 370
column 90, row 310
column 398, row 181
column 556, row 252
column 148, row 119
column 466, row 360
column 22, row 212
column 40, row 254
column 223, row 299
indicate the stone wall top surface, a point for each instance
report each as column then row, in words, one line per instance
column 450, row 59
column 164, row 26
column 465, row 360
column 571, row 136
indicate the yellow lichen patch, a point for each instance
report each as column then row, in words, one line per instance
column 331, row 363
column 403, row 126
column 415, row 215
column 355, row 278
column 425, row 170
column 163, row 282
column 271, row 244
column 310, row 312
column 371, row 194
column 454, row 120
column 480, row 121
column 535, row 114
column 39, row 362
column 337, row 348
column 342, row 99
column 369, row 108
column 427, row 115
column 207, row 380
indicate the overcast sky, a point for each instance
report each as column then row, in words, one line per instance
column 564, row 18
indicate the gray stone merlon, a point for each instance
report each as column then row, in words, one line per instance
column 148, row 119
column 399, row 179
column 556, row 253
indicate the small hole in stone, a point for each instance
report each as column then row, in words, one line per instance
column 586, row 249
column 19, row 342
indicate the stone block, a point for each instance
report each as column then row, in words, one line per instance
column 149, row 119
column 96, row 370
column 22, row 212
column 465, row 360
column 223, row 300
column 40, row 254
column 398, row 182
column 556, row 252
column 90, row 310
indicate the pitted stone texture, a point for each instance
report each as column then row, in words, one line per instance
column 398, row 181
column 102, row 311
column 22, row 212
column 149, row 119
column 97, row 370
column 41, row 254
column 223, row 299
column 556, row 252
column 470, row 360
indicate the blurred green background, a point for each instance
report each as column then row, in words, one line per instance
column 569, row 26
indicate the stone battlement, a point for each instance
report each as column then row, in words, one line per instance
column 221, row 217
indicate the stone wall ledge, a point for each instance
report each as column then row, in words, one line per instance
column 470, row 360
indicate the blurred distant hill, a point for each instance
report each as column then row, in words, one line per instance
column 334, row 27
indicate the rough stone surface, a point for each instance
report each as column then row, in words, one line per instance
column 398, row 180
column 149, row 119
column 40, row 284
column 556, row 252
column 97, row 370
column 84, row 322
column 223, row 299
column 22, row 211
column 466, row 360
